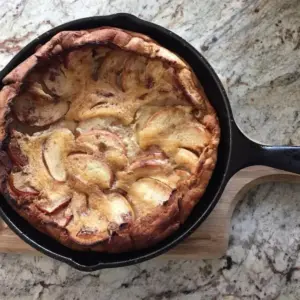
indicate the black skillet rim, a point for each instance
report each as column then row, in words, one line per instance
column 130, row 21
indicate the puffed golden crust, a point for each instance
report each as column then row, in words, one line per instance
column 164, row 219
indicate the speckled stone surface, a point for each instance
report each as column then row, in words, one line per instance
column 255, row 45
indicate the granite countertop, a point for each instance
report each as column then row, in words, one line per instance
column 255, row 46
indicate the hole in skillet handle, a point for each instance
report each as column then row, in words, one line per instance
column 89, row 261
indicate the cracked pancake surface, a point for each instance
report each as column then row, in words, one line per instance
column 111, row 140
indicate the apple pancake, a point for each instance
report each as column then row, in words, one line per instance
column 108, row 140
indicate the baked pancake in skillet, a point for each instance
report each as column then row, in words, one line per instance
column 108, row 139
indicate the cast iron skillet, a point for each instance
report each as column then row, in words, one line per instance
column 235, row 151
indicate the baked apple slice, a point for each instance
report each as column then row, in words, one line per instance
column 142, row 168
column 55, row 150
column 141, row 165
column 91, row 231
column 153, row 72
column 103, row 216
column 163, row 123
column 114, row 126
column 191, row 136
column 187, row 159
column 172, row 179
column 150, row 154
column 169, row 117
column 146, row 194
column 120, row 211
column 68, row 124
column 98, row 56
column 64, row 80
column 76, row 207
column 98, row 123
column 54, row 201
column 144, row 114
column 36, row 111
column 182, row 174
column 174, row 128
column 102, row 141
column 78, row 204
column 89, row 170
column 112, row 67
column 89, row 226
column 15, row 153
column 56, row 81
column 20, row 185
column 121, row 111
column 62, row 217
column 116, row 159
column 36, row 89
column 132, row 75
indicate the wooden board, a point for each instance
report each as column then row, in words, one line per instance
column 211, row 239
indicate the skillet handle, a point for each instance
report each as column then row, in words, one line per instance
column 246, row 152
